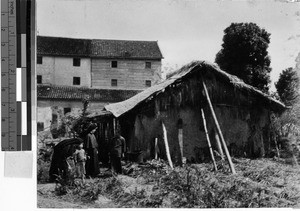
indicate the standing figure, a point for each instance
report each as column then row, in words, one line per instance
column 91, row 146
column 80, row 159
column 61, row 152
column 117, row 150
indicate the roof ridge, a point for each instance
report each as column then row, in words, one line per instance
column 73, row 38
column 95, row 39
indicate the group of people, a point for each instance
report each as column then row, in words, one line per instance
column 86, row 155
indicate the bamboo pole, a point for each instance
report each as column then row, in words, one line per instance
column 295, row 160
column 219, row 145
column 208, row 141
column 167, row 145
column 219, row 129
column 156, row 148
column 180, row 139
column 276, row 145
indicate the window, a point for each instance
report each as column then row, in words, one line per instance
column 148, row 65
column 39, row 79
column 40, row 126
column 148, row 83
column 114, row 64
column 76, row 80
column 67, row 110
column 114, row 82
column 76, row 62
column 39, row 60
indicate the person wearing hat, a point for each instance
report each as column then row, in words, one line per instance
column 91, row 147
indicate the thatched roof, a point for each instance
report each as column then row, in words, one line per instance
column 120, row 108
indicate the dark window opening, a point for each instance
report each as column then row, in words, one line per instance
column 114, row 82
column 148, row 65
column 114, row 64
column 39, row 79
column 40, row 126
column 39, row 60
column 67, row 110
column 76, row 62
column 76, row 80
column 148, row 83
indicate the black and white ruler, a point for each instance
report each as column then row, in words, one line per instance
column 17, row 62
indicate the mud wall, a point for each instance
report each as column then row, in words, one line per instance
column 242, row 129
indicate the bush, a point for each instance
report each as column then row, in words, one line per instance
column 43, row 171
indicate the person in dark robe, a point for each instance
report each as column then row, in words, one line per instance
column 117, row 150
column 91, row 148
column 61, row 152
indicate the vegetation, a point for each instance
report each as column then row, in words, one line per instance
column 244, row 54
column 287, row 86
column 258, row 183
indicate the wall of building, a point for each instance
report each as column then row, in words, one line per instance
column 45, row 109
column 46, row 70
column 236, row 125
column 131, row 74
column 60, row 71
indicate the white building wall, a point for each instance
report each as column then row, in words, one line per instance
column 130, row 74
column 46, row 70
column 60, row 71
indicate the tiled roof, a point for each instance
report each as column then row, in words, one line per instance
column 79, row 93
column 126, row 48
column 58, row 46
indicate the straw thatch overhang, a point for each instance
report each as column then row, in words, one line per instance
column 203, row 68
column 99, row 115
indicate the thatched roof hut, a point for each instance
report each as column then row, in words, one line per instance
column 243, row 113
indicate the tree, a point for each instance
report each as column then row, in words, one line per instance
column 244, row 54
column 287, row 86
column 77, row 123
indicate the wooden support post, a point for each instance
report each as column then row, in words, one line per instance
column 180, row 139
column 276, row 145
column 114, row 126
column 156, row 148
column 219, row 145
column 219, row 129
column 167, row 145
column 208, row 141
column 295, row 160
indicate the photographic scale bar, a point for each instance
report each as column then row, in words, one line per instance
column 15, row 76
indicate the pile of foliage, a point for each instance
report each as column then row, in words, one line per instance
column 43, row 164
column 258, row 183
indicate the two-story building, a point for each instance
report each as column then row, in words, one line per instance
column 103, row 71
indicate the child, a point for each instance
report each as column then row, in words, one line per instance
column 80, row 159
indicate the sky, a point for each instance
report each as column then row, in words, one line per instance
column 186, row 30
